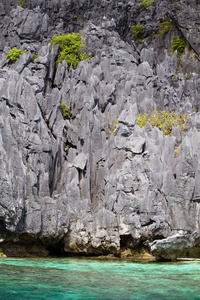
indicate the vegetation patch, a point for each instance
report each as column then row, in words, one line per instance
column 22, row 3
column 177, row 151
column 164, row 28
column 70, row 46
column 112, row 131
column 146, row 3
column 137, row 30
column 14, row 54
column 33, row 57
column 65, row 111
column 163, row 120
column 178, row 44
column 187, row 76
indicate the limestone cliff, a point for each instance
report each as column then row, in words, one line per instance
column 84, row 185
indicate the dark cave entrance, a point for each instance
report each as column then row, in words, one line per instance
column 127, row 241
column 57, row 249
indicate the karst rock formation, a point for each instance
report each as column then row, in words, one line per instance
column 96, row 183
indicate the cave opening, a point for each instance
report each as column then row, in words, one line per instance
column 57, row 249
column 126, row 241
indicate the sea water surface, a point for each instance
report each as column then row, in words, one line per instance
column 71, row 278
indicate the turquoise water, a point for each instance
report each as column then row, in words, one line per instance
column 70, row 278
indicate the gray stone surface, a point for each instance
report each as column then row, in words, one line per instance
column 173, row 246
column 97, row 183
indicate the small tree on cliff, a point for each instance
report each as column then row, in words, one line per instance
column 70, row 46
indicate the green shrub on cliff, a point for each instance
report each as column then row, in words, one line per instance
column 137, row 30
column 14, row 53
column 33, row 57
column 146, row 3
column 65, row 111
column 21, row 3
column 163, row 120
column 70, row 46
column 178, row 44
column 164, row 28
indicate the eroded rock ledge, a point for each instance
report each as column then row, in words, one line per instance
column 174, row 246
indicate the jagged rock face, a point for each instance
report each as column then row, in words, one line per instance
column 90, row 184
